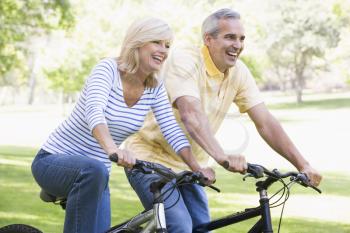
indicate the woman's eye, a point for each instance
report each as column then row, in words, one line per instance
column 156, row 42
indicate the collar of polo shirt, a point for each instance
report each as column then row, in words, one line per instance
column 210, row 66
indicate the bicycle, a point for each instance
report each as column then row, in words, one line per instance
column 264, row 224
column 152, row 220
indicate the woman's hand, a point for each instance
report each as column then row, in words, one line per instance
column 125, row 158
column 209, row 174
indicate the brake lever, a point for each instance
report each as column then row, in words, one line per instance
column 246, row 176
column 202, row 180
column 303, row 180
column 214, row 188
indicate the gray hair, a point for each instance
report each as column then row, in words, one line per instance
column 211, row 23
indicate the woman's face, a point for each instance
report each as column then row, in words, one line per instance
column 152, row 55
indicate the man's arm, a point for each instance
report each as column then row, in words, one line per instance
column 197, row 125
column 274, row 135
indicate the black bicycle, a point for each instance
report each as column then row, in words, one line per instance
column 266, row 179
column 152, row 220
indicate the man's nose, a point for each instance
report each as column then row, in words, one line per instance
column 237, row 44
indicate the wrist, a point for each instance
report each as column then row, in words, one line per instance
column 112, row 150
column 303, row 166
column 221, row 159
column 195, row 167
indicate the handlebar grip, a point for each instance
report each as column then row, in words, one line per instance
column 226, row 164
column 256, row 170
column 114, row 157
column 202, row 179
column 304, row 180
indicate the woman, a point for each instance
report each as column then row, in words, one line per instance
column 118, row 94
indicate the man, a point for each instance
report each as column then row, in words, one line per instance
column 202, row 84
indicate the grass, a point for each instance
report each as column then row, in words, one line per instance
column 20, row 202
column 322, row 104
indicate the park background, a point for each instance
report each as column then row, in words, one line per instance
column 298, row 51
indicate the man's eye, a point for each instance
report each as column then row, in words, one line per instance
column 156, row 42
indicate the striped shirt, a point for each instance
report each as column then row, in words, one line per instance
column 102, row 101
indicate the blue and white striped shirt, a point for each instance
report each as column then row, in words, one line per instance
column 102, row 101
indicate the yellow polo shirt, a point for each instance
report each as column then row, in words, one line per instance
column 191, row 72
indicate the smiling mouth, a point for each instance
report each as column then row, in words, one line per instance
column 158, row 59
column 232, row 54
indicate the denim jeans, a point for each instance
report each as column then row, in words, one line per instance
column 84, row 181
column 190, row 210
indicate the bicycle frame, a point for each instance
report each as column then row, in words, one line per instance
column 262, row 225
column 155, row 217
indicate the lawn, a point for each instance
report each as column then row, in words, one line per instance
column 20, row 202
column 319, row 127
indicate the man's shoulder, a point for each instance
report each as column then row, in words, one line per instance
column 183, row 60
column 185, row 52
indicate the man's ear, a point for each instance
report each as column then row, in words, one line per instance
column 207, row 39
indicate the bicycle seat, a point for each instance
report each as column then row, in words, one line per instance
column 47, row 197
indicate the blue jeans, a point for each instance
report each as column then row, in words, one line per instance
column 190, row 210
column 84, row 181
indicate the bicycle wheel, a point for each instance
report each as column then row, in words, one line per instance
column 19, row 228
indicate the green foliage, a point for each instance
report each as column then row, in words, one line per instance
column 22, row 19
column 254, row 67
column 70, row 76
column 304, row 31
column 295, row 34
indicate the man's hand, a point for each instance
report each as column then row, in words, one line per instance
column 234, row 163
column 208, row 173
column 125, row 158
column 314, row 176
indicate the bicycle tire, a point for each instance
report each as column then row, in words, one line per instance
column 19, row 228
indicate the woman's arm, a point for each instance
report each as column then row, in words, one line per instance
column 97, row 90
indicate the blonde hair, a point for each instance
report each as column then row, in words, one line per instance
column 139, row 33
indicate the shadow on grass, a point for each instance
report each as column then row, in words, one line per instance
column 323, row 104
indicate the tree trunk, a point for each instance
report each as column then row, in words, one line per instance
column 299, row 95
column 299, row 88
column 32, row 84
column 32, row 76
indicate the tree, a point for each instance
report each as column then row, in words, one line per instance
column 70, row 76
column 20, row 21
column 299, row 40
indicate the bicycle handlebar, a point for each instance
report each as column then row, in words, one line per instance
column 181, row 178
column 258, row 171
column 253, row 170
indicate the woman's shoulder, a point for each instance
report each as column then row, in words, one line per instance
column 160, row 88
column 108, row 62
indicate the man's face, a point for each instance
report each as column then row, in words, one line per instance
column 225, row 48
